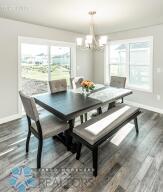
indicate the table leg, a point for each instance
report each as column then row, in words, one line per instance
column 86, row 117
column 66, row 137
column 71, row 124
column 71, row 146
column 111, row 105
column 99, row 110
column 81, row 119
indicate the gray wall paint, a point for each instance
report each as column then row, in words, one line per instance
column 90, row 65
column 98, row 70
column 9, row 32
column 84, row 63
column 149, row 99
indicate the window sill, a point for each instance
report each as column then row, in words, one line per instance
column 149, row 90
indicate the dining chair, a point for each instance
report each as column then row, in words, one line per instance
column 76, row 83
column 118, row 82
column 44, row 126
column 58, row 85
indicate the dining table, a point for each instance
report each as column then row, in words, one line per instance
column 70, row 104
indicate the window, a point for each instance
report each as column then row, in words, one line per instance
column 34, row 65
column 118, row 59
column 132, row 58
column 60, row 63
column 43, row 60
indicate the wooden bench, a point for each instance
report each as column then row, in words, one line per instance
column 98, row 129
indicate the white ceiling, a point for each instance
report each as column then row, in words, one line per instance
column 112, row 15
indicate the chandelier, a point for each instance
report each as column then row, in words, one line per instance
column 90, row 41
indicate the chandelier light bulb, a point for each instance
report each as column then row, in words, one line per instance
column 89, row 39
column 79, row 41
column 86, row 43
column 103, row 40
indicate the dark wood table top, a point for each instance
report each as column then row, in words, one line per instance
column 67, row 104
column 71, row 103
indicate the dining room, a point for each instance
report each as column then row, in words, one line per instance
column 81, row 96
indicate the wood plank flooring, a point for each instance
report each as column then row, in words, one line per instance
column 136, row 165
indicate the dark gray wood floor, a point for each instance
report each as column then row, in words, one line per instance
column 135, row 165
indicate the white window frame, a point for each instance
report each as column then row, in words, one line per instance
column 127, row 41
column 48, row 43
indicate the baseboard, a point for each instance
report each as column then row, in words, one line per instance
column 10, row 118
column 155, row 109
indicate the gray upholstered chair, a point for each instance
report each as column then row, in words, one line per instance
column 119, row 82
column 58, row 85
column 76, row 82
column 45, row 126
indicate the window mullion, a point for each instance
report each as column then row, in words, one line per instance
column 49, row 65
column 107, row 64
column 128, row 64
column 71, row 64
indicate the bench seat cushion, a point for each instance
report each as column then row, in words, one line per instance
column 96, row 128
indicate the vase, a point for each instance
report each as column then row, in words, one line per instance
column 85, row 91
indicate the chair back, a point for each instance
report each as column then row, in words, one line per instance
column 29, row 106
column 118, row 82
column 76, row 82
column 58, row 85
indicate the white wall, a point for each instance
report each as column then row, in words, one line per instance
column 9, row 32
column 143, row 98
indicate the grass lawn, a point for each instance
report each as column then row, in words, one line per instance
column 35, row 77
column 40, row 72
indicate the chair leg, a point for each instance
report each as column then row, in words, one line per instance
column 86, row 116
column 79, row 146
column 136, row 125
column 81, row 118
column 122, row 100
column 39, row 153
column 95, row 161
column 27, row 141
